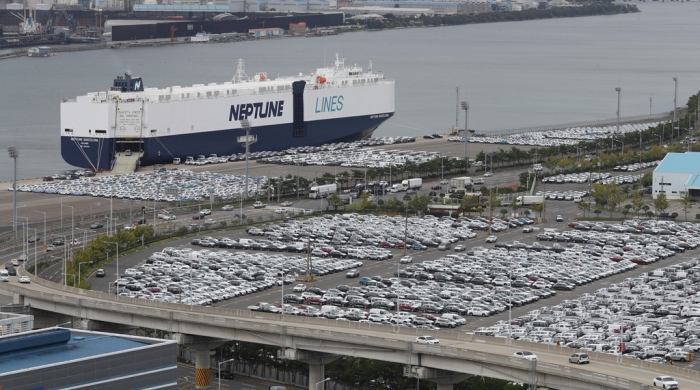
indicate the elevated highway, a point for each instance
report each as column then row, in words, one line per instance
column 315, row 340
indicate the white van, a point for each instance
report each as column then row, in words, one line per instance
column 4, row 275
column 379, row 311
column 457, row 319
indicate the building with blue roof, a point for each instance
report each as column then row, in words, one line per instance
column 58, row 358
column 677, row 174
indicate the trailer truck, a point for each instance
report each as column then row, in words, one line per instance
column 412, row 184
column 529, row 200
column 323, row 191
column 460, row 183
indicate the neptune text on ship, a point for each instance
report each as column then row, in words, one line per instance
column 333, row 104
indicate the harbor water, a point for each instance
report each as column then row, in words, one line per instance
column 512, row 74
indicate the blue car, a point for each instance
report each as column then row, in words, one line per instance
column 419, row 247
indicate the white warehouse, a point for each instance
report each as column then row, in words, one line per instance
column 676, row 175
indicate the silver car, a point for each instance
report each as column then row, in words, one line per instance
column 579, row 358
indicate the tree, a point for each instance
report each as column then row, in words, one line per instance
column 335, row 201
column 419, row 204
column 661, row 203
column 470, row 204
column 396, row 205
column 687, row 202
column 538, row 208
column 503, row 212
column 597, row 211
column 366, row 204
column 583, row 206
column 646, row 179
column 637, row 201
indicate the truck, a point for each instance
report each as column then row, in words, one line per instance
column 259, row 205
column 412, row 184
column 323, row 191
column 460, row 183
column 529, row 200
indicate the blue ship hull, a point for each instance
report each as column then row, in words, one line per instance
column 99, row 154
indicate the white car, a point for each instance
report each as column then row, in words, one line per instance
column 24, row 279
column 488, row 174
column 286, row 204
column 406, row 259
column 560, row 218
column 427, row 340
column 665, row 382
column 525, row 355
column 491, row 238
column 228, row 207
column 300, row 288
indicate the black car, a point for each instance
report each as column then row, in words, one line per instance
column 58, row 242
column 224, row 374
column 96, row 225
column 198, row 216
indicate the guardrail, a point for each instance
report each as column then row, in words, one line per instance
column 308, row 326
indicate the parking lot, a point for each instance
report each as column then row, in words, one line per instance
column 589, row 272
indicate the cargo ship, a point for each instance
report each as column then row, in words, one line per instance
column 157, row 125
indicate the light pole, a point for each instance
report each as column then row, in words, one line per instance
column 325, row 380
column 80, row 274
column 659, row 138
column 66, row 279
column 650, row 106
column 72, row 223
column 220, row 363
column 623, row 147
column 465, row 107
column 442, row 167
column 85, row 235
column 25, row 235
column 36, row 239
column 117, row 244
column 618, row 90
column 43, row 212
column 245, row 125
column 14, row 153
column 675, row 98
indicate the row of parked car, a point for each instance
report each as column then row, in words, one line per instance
column 164, row 186
column 356, row 158
column 654, row 316
column 568, row 136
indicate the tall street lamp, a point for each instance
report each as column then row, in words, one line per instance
column 675, row 98
column 618, row 90
column 43, row 212
column 659, row 138
column 325, row 380
column 115, row 281
column 72, row 223
column 80, row 274
column 14, row 153
column 465, row 107
column 220, row 363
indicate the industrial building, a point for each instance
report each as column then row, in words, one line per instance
column 76, row 359
column 676, row 175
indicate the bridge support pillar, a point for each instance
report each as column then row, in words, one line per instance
column 203, row 347
column 317, row 363
column 17, row 299
column 201, row 369
column 442, row 378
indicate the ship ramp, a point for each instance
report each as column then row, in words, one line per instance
column 126, row 164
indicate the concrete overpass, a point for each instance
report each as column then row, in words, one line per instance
column 319, row 341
